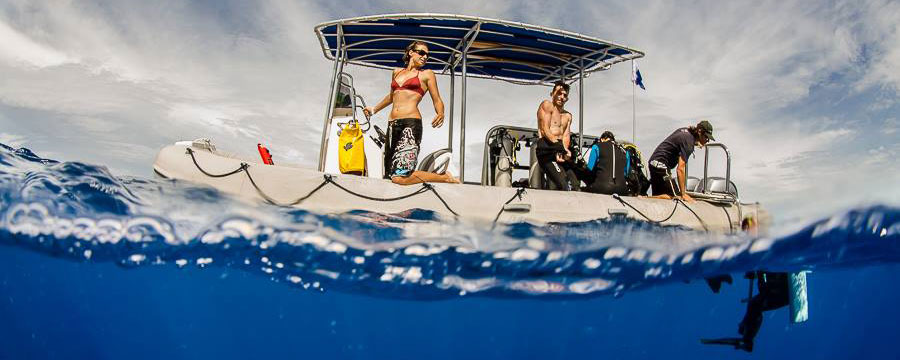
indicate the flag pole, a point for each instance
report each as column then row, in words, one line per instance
column 633, row 117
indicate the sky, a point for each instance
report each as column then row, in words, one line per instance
column 804, row 94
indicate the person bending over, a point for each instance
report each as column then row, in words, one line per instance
column 408, row 87
column 673, row 153
column 552, row 148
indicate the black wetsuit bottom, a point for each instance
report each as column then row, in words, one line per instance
column 774, row 293
column 561, row 175
column 659, row 184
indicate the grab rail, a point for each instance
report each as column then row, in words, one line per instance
column 706, row 167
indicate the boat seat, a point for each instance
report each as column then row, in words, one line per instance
column 691, row 183
column 437, row 162
column 717, row 185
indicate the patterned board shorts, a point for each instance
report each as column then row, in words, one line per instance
column 402, row 153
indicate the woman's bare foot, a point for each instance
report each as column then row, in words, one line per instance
column 451, row 179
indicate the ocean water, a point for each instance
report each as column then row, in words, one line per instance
column 98, row 266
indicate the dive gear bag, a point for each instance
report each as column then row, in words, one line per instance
column 351, row 151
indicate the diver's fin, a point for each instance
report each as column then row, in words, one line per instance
column 715, row 282
column 798, row 299
column 738, row 343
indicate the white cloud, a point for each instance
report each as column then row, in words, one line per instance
column 881, row 31
column 18, row 49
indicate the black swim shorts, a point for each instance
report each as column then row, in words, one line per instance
column 402, row 152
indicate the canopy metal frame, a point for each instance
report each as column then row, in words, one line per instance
column 573, row 66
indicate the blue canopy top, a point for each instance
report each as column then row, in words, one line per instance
column 494, row 49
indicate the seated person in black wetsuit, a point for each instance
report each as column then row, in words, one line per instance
column 552, row 148
column 605, row 169
column 673, row 153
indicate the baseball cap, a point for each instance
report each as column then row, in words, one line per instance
column 707, row 128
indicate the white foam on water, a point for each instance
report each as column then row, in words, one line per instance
column 614, row 253
column 653, row 272
column 760, row 245
column 536, row 244
column 316, row 240
column 536, row 286
column 713, row 253
column 590, row 285
column 327, row 273
column 591, row 263
column 465, row 250
column 636, row 255
column 524, row 255
column 246, row 229
column 554, row 255
column 419, row 250
column 407, row 274
column 336, row 247
column 467, row 285
column 416, row 250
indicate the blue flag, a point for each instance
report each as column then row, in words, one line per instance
column 636, row 75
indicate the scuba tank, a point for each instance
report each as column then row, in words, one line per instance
column 635, row 176
column 503, row 148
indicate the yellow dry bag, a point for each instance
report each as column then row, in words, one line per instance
column 352, row 153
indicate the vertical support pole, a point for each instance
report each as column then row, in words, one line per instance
column 633, row 117
column 581, row 107
column 727, row 169
column 705, row 171
column 352, row 95
column 452, row 101
column 462, row 122
column 338, row 68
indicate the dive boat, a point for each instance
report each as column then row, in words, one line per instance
column 462, row 47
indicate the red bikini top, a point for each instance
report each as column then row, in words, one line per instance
column 410, row 84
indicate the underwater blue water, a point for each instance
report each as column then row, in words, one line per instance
column 97, row 266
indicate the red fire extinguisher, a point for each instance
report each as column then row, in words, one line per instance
column 264, row 153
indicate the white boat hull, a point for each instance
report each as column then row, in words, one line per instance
column 286, row 184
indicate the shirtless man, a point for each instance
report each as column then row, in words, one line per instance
column 552, row 148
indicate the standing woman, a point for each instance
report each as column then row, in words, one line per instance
column 408, row 87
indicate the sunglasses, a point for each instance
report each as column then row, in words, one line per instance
column 420, row 52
